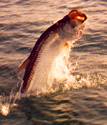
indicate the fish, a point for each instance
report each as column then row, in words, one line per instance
column 57, row 39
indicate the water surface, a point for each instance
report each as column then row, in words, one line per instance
column 21, row 23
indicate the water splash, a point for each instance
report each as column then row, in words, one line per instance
column 72, row 80
column 8, row 102
column 79, row 81
column 66, row 77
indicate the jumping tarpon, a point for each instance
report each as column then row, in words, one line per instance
column 55, row 40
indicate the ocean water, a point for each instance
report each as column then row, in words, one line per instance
column 21, row 23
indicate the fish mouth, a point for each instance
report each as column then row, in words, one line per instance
column 76, row 15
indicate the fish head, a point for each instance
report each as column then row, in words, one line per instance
column 74, row 26
column 76, row 17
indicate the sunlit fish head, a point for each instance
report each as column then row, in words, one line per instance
column 77, row 17
column 74, row 27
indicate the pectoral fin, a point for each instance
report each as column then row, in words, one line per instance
column 23, row 65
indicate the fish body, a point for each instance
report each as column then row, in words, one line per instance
column 56, row 40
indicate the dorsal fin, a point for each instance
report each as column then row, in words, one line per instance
column 23, row 64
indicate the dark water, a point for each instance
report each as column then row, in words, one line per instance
column 21, row 23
